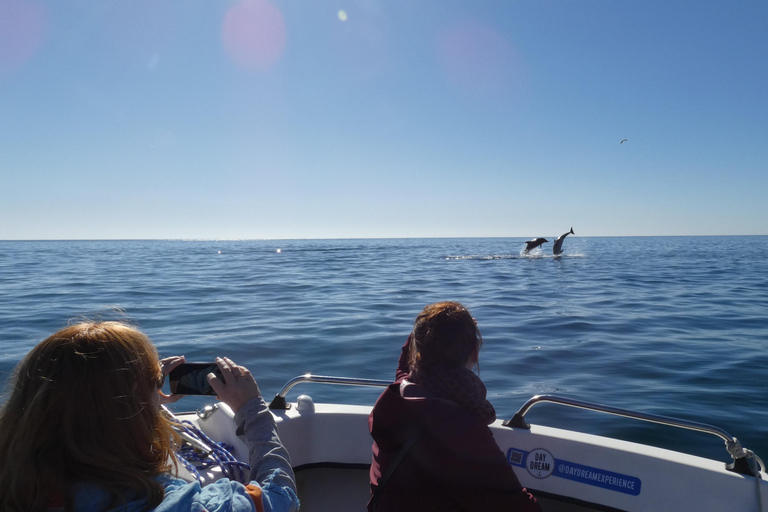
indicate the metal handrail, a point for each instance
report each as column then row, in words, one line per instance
column 279, row 401
column 740, row 463
column 732, row 444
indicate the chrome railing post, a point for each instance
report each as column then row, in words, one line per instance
column 279, row 401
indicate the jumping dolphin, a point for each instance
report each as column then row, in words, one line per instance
column 558, row 247
column 532, row 244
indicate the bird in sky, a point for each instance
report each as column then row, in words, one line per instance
column 623, row 141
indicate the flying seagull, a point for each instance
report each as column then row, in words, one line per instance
column 623, row 141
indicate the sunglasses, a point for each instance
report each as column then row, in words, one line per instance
column 161, row 380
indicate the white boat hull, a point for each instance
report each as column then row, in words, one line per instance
column 330, row 450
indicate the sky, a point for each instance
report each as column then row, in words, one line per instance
column 251, row 119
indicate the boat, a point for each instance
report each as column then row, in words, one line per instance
column 567, row 471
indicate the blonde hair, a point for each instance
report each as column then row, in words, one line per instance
column 81, row 410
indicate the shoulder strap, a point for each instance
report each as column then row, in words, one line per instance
column 391, row 469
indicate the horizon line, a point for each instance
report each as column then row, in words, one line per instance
column 335, row 238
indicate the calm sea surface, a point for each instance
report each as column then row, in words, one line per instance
column 671, row 326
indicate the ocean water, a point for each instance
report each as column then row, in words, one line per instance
column 676, row 326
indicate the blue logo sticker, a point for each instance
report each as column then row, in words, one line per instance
column 541, row 464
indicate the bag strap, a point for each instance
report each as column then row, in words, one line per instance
column 391, row 469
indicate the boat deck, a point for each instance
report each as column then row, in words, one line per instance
column 324, row 489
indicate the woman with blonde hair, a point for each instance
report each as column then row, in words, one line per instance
column 433, row 450
column 82, row 430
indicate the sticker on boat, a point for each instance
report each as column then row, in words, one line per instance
column 541, row 464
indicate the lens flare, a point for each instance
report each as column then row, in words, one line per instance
column 253, row 34
column 343, row 15
column 23, row 27
column 477, row 59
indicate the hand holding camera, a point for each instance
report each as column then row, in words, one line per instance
column 233, row 384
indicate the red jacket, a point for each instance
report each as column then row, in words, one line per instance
column 454, row 463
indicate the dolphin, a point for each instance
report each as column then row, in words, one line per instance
column 532, row 244
column 558, row 247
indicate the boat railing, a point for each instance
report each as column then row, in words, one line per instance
column 740, row 462
column 739, row 454
column 279, row 401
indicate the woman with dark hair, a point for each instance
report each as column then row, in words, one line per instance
column 433, row 450
column 82, row 430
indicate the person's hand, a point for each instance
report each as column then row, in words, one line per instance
column 237, row 386
column 168, row 364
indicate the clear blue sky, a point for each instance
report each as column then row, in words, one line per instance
column 382, row 118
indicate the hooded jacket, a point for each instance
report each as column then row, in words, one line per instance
column 453, row 463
